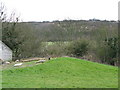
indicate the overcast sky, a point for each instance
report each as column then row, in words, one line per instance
column 48, row 10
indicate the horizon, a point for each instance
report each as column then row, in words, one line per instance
column 94, row 19
column 72, row 20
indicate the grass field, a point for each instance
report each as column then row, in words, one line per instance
column 64, row 72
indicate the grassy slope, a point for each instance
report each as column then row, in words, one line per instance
column 62, row 72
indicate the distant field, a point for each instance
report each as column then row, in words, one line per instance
column 64, row 72
column 57, row 42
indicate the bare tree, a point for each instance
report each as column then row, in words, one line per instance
column 2, row 12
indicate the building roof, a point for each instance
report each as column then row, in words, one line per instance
column 1, row 43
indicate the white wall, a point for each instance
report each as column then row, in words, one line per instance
column 5, row 52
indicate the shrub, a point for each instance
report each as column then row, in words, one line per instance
column 56, row 49
column 108, row 51
column 78, row 48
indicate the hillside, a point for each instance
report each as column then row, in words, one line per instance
column 30, row 39
column 64, row 72
column 72, row 29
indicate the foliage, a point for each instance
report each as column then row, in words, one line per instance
column 9, row 37
column 79, row 47
column 19, row 36
column 26, row 38
column 55, row 49
column 108, row 51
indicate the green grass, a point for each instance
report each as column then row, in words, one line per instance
column 64, row 72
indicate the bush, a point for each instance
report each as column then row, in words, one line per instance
column 56, row 49
column 108, row 50
column 78, row 48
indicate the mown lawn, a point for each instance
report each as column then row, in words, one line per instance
column 64, row 72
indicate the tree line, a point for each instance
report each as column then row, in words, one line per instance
column 94, row 40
